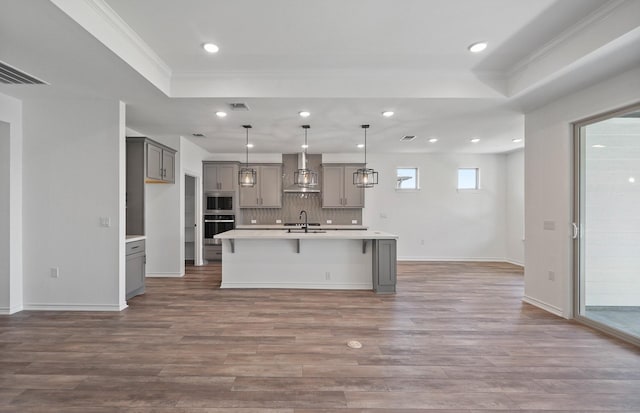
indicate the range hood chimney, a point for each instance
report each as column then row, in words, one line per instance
column 302, row 164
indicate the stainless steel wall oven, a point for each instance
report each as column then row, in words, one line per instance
column 216, row 224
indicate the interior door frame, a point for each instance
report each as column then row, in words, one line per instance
column 578, row 195
column 197, row 182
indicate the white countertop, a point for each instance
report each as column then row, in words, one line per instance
column 131, row 238
column 281, row 226
column 271, row 234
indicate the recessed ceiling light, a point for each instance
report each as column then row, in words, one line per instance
column 597, row 145
column 433, row 140
column 516, row 140
column 387, row 113
column 360, row 145
column 304, row 146
column 632, row 179
column 210, row 47
column 221, row 114
column 477, row 47
column 475, row 140
column 304, row 114
column 249, row 145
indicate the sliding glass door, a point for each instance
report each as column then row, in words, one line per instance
column 607, row 223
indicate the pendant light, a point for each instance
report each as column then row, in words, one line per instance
column 246, row 175
column 365, row 177
column 304, row 177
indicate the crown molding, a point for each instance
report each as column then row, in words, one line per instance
column 599, row 14
column 99, row 19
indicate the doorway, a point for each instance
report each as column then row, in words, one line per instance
column 607, row 223
column 190, row 221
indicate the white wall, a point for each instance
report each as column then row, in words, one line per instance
column 162, row 221
column 438, row 222
column 11, row 281
column 548, row 186
column 191, row 157
column 515, row 207
column 164, row 211
column 73, row 171
column 5, row 219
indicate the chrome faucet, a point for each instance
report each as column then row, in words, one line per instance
column 306, row 220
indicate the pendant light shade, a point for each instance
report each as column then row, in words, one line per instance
column 365, row 177
column 304, row 177
column 247, row 177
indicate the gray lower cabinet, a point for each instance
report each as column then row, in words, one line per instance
column 135, row 268
column 384, row 266
column 267, row 193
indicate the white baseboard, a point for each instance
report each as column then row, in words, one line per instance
column 514, row 262
column 455, row 259
column 10, row 310
column 355, row 286
column 165, row 275
column 74, row 307
column 545, row 306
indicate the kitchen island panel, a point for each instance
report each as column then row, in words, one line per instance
column 276, row 263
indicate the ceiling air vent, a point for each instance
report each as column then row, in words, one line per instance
column 407, row 138
column 197, row 135
column 12, row 76
column 239, row 106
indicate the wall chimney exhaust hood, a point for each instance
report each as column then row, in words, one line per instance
column 296, row 189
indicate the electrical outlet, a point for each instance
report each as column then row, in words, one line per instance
column 383, row 215
column 421, row 242
column 327, row 276
column 329, row 221
column 278, row 221
column 55, row 272
column 552, row 276
column 105, row 222
column 253, row 221
column 354, row 221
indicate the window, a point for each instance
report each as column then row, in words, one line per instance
column 407, row 178
column 468, row 178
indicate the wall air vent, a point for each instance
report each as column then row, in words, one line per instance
column 12, row 76
column 407, row 138
column 239, row 106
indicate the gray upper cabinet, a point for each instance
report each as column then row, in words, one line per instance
column 220, row 176
column 267, row 193
column 154, row 162
column 147, row 162
column 338, row 190
column 158, row 161
column 169, row 165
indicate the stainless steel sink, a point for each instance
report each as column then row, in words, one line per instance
column 302, row 231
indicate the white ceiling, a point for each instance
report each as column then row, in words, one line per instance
column 345, row 61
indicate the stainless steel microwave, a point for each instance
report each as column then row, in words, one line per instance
column 218, row 203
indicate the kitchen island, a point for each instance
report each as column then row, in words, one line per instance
column 345, row 260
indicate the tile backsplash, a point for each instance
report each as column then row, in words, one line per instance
column 292, row 204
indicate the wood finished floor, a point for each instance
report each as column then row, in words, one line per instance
column 455, row 338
